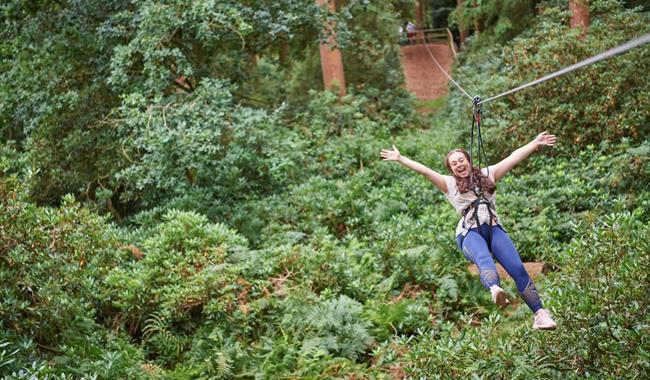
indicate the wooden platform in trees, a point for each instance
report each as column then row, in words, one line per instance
column 533, row 269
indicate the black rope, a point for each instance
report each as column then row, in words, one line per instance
column 475, row 178
column 481, row 155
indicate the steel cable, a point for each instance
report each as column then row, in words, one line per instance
column 445, row 73
column 611, row 52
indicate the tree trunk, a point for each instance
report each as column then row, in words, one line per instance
column 330, row 56
column 464, row 32
column 283, row 54
column 419, row 20
column 579, row 15
column 478, row 23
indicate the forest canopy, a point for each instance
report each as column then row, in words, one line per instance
column 182, row 198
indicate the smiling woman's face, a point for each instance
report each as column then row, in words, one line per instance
column 459, row 164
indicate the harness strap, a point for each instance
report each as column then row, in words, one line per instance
column 475, row 205
column 477, row 186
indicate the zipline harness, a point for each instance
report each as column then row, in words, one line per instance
column 477, row 113
column 475, row 180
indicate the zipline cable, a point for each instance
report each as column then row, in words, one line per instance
column 611, row 52
column 444, row 72
column 477, row 111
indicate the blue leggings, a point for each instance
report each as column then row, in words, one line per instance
column 475, row 249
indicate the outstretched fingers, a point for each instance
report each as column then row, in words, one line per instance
column 387, row 155
column 546, row 139
column 550, row 140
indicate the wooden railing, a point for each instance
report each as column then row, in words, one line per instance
column 422, row 36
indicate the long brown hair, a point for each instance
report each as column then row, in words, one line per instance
column 465, row 184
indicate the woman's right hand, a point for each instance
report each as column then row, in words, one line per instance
column 390, row 155
column 431, row 175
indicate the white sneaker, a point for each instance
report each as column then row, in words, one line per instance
column 499, row 296
column 543, row 320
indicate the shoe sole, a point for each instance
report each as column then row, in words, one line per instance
column 500, row 299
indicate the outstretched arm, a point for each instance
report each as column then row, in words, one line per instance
column 433, row 176
column 502, row 168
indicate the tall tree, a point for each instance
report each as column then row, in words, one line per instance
column 69, row 68
column 579, row 14
column 419, row 14
column 330, row 55
column 464, row 31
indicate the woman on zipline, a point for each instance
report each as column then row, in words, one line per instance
column 472, row 193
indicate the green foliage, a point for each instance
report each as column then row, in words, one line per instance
column 608, row 177
column 264, row 237
column 604, row 101
column 157, row 333
column 404, row 316
column 371, row 56
column 439, row 11
column 53, row 93
column 503, row 19
column 45, row 254
column 99, row 85
column 367, row 37
column 183, row 264
column 160, row 41
column 331, row 327
column 50, row 263
column 205, row 151
column 7, row 356
column 599, row 299
column 605, row 307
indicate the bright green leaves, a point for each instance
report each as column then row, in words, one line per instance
column 204, row 147
column 197, row 39
column 333, row 326
column 53, row 95
column 52, row 262
column 502, row 18
column 604, row 101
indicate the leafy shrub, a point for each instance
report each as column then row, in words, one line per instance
column 605, row 177
column 51, row 260
column 334, row 327
column 598, row 102
column 596, row 298
column 600, row 297
column 208, row 149
column 501, row 19
column 183, row 267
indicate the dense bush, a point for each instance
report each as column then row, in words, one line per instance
column 598, row 297
column 51, row 264
column 501, row 19
column 604, row 101
column 207, row 151
column 266, row 239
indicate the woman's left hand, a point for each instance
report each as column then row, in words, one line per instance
column 545, row 138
